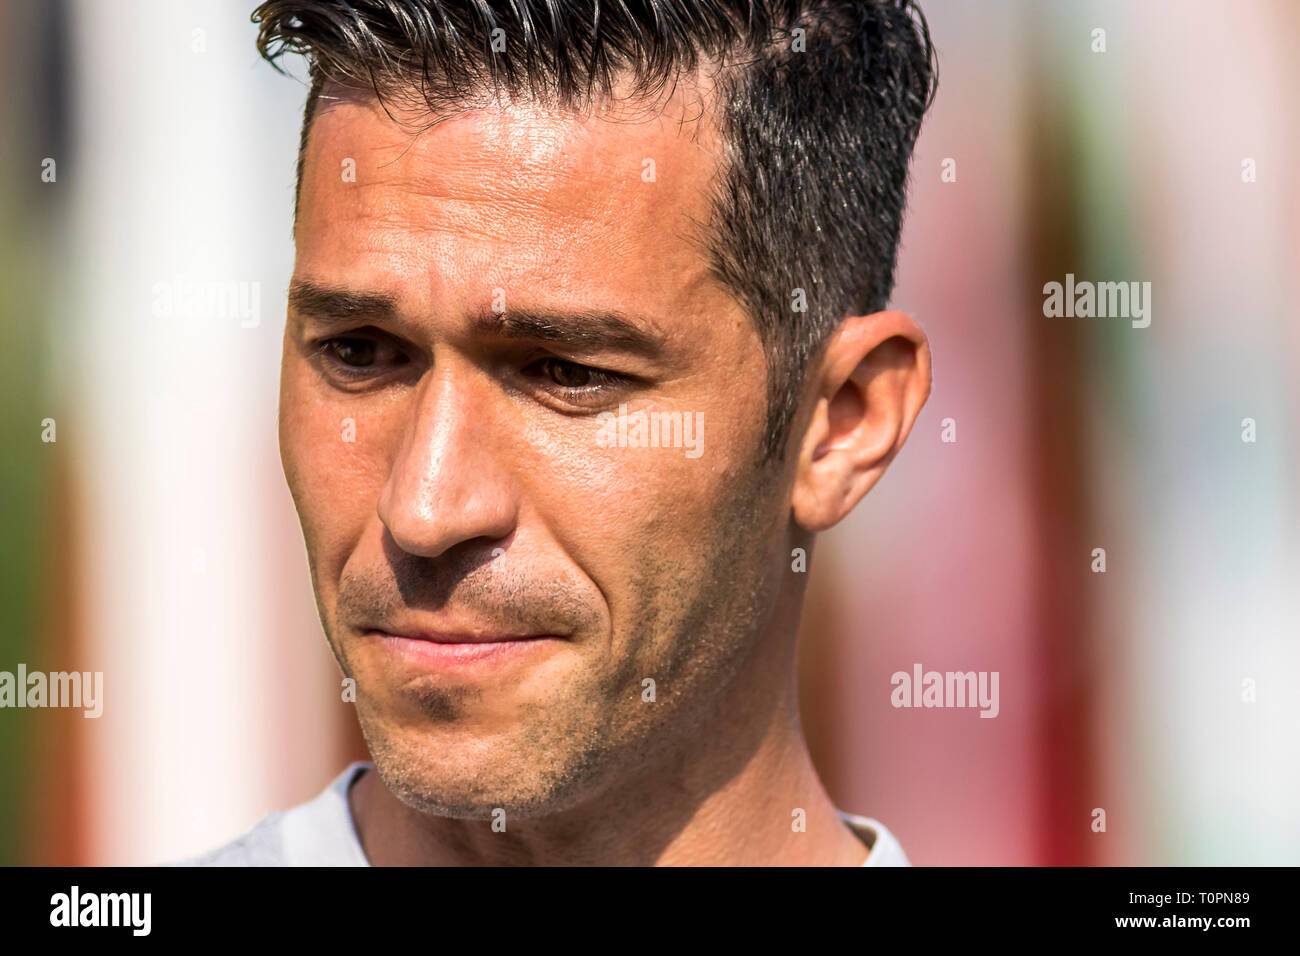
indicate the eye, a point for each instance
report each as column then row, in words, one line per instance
column 567, row 374
column 574, row 383
column 359, row 357
column 357, row 353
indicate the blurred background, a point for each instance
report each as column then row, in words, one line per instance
column 146, row 186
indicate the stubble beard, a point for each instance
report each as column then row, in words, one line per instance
column 599, row 737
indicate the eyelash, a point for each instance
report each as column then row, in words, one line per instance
column 601, row 380
column 324, row 351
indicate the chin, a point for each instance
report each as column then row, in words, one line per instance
column 454, row 773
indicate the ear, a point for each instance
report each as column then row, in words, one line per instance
column 869, row 387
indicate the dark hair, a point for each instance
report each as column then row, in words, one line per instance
column 818, row 126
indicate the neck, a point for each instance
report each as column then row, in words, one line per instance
column 698, row 805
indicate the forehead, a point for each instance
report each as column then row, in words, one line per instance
column 597, row 206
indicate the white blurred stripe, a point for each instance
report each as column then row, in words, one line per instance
column 184, row 168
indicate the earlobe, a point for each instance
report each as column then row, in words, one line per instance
column 870, row 386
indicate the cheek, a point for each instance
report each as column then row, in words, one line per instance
column 334, row 469
column 625, row 513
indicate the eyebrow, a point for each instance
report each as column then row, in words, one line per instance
column 578, row 329
column 339, row 305
column 581, row 329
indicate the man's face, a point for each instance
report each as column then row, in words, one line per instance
column 440, row 434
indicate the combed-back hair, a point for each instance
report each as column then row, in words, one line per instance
column 818, row 102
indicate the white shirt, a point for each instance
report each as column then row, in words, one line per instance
column 322, row 832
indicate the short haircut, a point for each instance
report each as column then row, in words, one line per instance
column 818, row 102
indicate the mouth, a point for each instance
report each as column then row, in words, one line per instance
column 441, row 650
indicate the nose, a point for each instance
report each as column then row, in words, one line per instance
column 449, row 482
